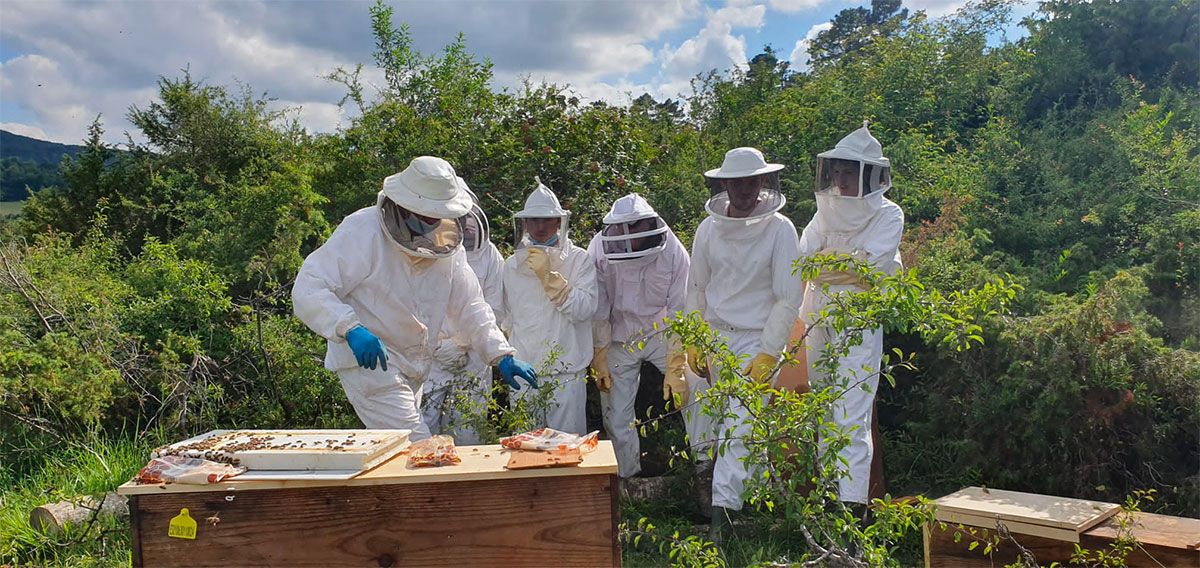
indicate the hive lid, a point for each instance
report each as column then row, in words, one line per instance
column 1076, row 515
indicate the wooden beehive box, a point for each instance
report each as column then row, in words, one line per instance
column 293, row 450
column 1050, row 528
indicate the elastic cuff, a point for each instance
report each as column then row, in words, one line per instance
column 344, row 327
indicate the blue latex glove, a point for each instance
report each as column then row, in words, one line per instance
column 510, row 367
column 367, row 348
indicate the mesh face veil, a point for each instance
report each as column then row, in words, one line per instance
column 633, row 239
column 543, row 222
column 851, row 178
column 746, row 199
column 854, row 168
column 476, row 231
column 438, row 239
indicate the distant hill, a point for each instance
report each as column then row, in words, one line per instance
column 29, row 163
column 34, row 150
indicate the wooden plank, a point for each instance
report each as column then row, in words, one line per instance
column 1016, row 527
column 925, row 543
column 523, row 459
column 478, row 463
column 552, row 521
column 1062, row 512
column 1158, row 530
column 135, row 525
column 945, row 553
column 942, row 552
column 1164, row 540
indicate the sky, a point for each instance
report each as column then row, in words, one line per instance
column 62, row 63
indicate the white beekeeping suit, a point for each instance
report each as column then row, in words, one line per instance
column 549, row 300
column 642, row 271
column 460, row 377
column 741, row 282
column 387, row 279
column 854, row 218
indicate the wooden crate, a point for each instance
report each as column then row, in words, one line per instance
column 476, row 513
column 1050, row 528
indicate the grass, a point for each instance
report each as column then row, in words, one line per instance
column 90, row 467
column 8, row 208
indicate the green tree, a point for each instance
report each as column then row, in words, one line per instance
column 854, row 28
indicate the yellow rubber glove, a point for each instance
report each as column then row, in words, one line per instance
column 600, row 368
column 697, row 361
column 761, row 367
column 557, row 288
column 673, row 381
column 841, row 277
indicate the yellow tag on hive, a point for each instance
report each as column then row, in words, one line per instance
column 182, row 526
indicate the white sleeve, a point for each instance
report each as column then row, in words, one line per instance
column 469, row 315
column 811, row 239
column 787, row 289
column 581, row 300
column 677, row 293
column 330, row 272
column 698, row 273
column 493, row 282
column 602, row 320
column 883, row 244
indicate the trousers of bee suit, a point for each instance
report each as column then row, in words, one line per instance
column 697, row 424
column 733, row 466
column 858, row 377
column 569, row 396
column 446, row 391
column 384, row 400
column 617, row 405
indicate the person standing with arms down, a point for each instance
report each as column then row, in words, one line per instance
column 742, row 284
column 458, row 374
column 642, row 271
column 549, row 299
column 853, row 218
column 389, row 277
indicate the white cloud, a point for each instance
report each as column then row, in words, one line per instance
column 740, row 14
column 934, row 8
column 715, row 46
column 102, row 58
column 794, row 6
column 23, row 130
column 799, row 59
column 316, row 117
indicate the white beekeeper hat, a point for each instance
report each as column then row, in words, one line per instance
column 429, row 187
column 743, row 162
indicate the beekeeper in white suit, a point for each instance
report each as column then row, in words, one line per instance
column 741, row 282
column 389, row 277
column 459, row 376
column 549, row 300
column 642, row 271
column 853, row 218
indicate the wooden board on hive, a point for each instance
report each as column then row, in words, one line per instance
column 1075, row 515
column 525, row 459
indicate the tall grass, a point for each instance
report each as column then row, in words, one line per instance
column 93, row 465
